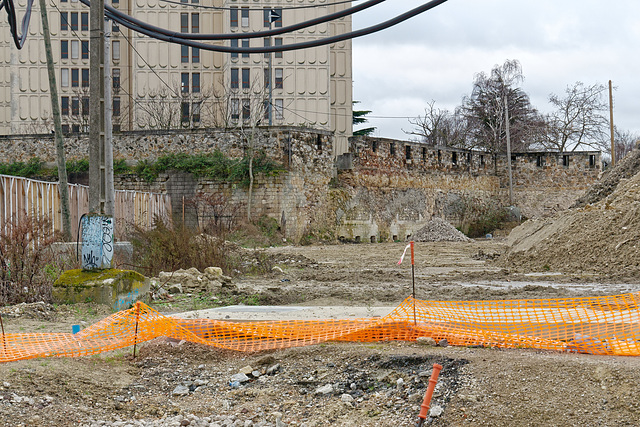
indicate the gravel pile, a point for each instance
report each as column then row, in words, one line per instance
column 439, row 230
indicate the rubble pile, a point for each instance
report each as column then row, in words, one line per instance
column 601, row 235
column 439, row 230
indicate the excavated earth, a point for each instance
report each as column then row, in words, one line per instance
column 173, row 383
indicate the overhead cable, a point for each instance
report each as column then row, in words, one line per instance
column 122, row 17
column 280, row 48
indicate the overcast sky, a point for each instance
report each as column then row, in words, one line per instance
column 434, row 56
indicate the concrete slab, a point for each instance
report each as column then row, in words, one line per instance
column 284, row 312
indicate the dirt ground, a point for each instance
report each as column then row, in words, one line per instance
column 374, row 384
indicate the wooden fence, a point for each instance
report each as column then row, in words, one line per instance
column 19, row 196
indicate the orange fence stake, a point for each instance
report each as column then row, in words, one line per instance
column 135, row 339
column 424, row 408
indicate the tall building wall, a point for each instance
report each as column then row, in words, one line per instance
column 162, row 85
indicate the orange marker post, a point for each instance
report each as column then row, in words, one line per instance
column 424, row 408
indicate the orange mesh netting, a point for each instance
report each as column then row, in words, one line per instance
column 595, row 325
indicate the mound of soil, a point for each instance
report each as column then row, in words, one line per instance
column 602, row 237
column 439, row 230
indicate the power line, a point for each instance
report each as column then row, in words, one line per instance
column 199, row 6
column 136, row 24
column 281, row 48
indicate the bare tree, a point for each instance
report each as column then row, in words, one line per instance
column 625, row 141
column 484, row 110
column 579, row 120
column 440, row 127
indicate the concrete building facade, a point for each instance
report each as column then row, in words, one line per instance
column 159, row 85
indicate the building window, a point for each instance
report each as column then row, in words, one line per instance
column 267, row 80
column 75, row 128
column 392, row 149
column 265, row 109
column 235, row 108
column 592, row 160
column 85, row 49
column 234, row 44
column 278, row 42
column 184, row 109
column 184, row 87
column 424, row 154
column 184, row 53
column 84, row 21
column 565, row 161
column 246, row 109
column 244, row 17
column 279, row 109
column 75, row 106
column 454, row 158
column 195, row 23
column 539, row 161
column 195, row 82
column 115, row 28
column 75, row 49
column 85, row 77
column 235, row 78
column 245, row 43
column 481, row 159
column 75, row 77
column 64, row 105
column 64, row 49
column 115, row 79
column 64, row 21
column 245, row 78
column 272, row 16
column 65, row 129
column 195, row 55
column 85, row 105
column 115, row 50
column 116, row 106
column 115, row 2
column 184, row 22
column 279, row 79
column 64, row 77
column 234, row 17
column 74, row 21
column 407, row 152
column 195, row 112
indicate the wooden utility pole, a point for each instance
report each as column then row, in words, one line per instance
column 63, row 186
column 613, row 144
column 506, row 111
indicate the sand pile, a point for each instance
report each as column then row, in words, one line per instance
column 601, row 236
column 439, row 230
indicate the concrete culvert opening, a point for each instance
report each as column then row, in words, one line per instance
column 357, row 239
column 373, row 239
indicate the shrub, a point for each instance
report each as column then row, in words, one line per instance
column 28, row 266
column 170, row 246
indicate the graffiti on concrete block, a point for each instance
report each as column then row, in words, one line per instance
column 97, row 241
column 126, row 300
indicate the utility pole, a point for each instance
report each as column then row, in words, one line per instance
column 109, row 200
column 96, row 108
column 63, row 186
column 613, row 144
column 506, row 110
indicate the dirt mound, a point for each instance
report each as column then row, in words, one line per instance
column 625, row 169
column 603, row 237
column 439, row 230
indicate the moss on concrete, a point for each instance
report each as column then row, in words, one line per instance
column 116, row 288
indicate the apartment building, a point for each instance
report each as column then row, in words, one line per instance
column 159, row 85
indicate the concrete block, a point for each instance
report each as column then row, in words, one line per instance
column 119, row 289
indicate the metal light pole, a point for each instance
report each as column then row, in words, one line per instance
column 109, row 199
column 96, row 108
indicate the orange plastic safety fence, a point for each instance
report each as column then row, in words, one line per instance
column 596, row 325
